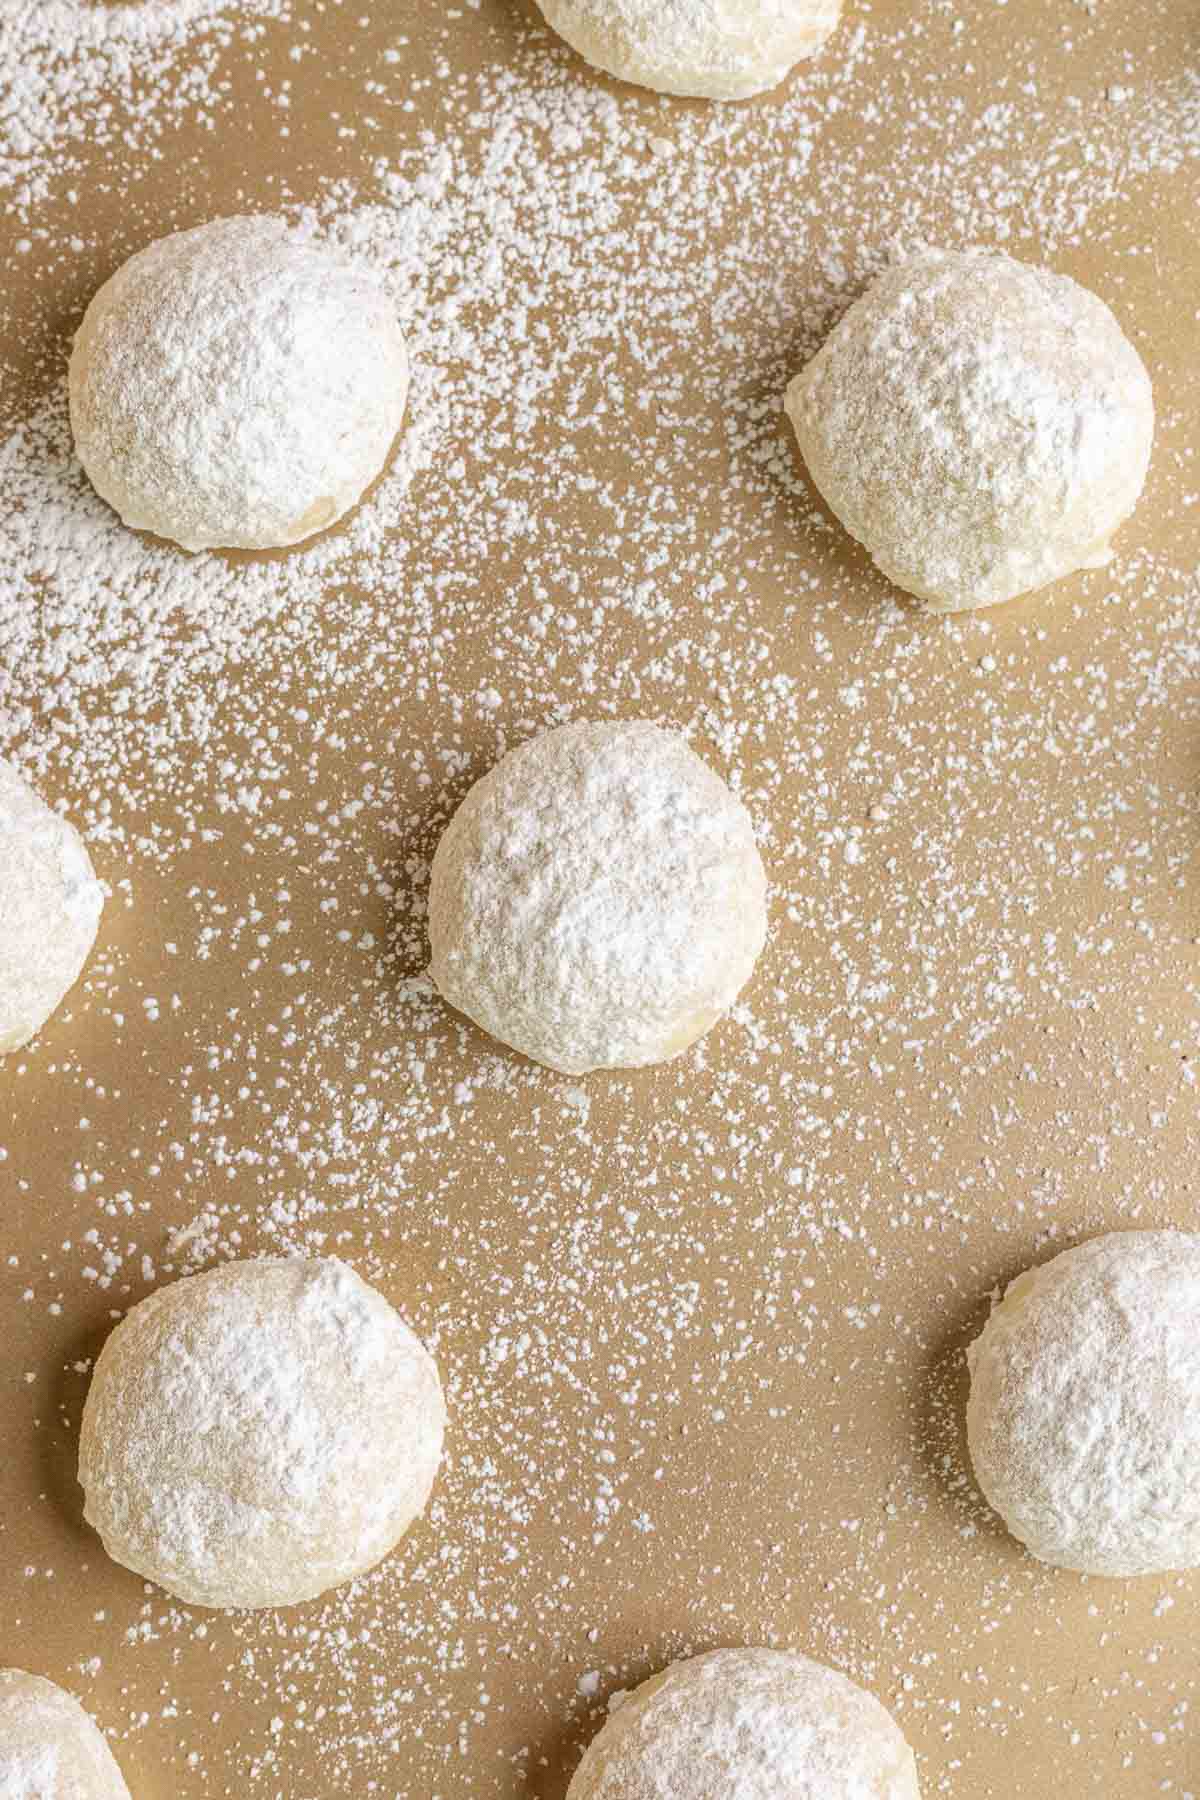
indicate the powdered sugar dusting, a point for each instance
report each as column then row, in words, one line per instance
column 49, row 1748
column 756, row 1723
column 79, row 73
column 598, row 899
column 51, row 903
column 236, row 385
column 259, row 1434
column 701, row 1328
column 707, row 47
column 983, row 427
column 1085, row 1402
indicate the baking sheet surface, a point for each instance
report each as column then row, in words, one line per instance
column 702, row 1326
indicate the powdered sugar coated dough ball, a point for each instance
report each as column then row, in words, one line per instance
column 49, row 1747
column 983, row 427
column 710, row 49
column 598, row 900
column 1084, row 1416
column 237, row 386
column 258, row 1434
column 50, row 906
column 758, row 1724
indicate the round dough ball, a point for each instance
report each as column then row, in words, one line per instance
column 708, row 49
column 50, row 906
column 49, row 1747
column 1084, row 1416
column 598, row 900
column 237, row 386
column 260, row 1433
column 761, row 1724
column 983, row 427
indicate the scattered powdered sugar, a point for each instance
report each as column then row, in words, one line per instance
column 701, row 1328
column 80, row 75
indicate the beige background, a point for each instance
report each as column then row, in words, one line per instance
column 701, row 1326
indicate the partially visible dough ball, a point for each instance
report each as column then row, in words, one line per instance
column 49, row 1747
column 981, row 426
column 50, row 906
column 755, row 1724
column 237, row 386
column 1084, row 1416
column 598, row 900
column 258, row 1434
column 709, row 49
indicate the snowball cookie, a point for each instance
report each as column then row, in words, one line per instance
column 50, row 906
column 1084, row 1416
column 710, row 49
column 598, row 899
column 983, row 427
column 49, row 1748
column 260, row 1433
column 237, row 386
column 758, row 1724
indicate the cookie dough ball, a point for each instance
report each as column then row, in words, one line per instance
column 983, row 427
column 260, row 1433
column 49, row 1748
column 598, row 900
column 50, row 906
column 237, row 386
column 758, row 1724
column 710, row 49
column 1084, row 1416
